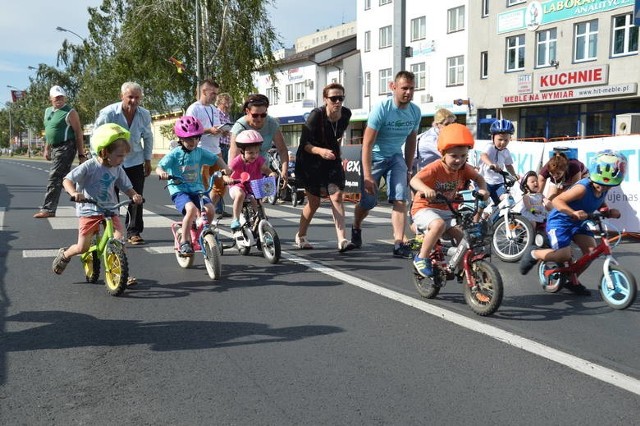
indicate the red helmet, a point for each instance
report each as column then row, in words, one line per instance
column 453, row 135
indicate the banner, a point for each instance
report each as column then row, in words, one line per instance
column 17, row 95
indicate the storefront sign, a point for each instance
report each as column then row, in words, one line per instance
column 295, row 74
column 525, row 84
column 569, row 94
column 574, row 78
column 541, row 13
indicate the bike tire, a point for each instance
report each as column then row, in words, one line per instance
column 91, row 267
column 426, row 287
column 271, row 249
column 555, row 282
column 294, row 197
column 184, row 261
column 116, row 269
column 273, row 199
column 212, row 257
column 624, row 290
column 511, row 250
column 486, row 296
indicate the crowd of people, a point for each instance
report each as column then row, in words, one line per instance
column 414, row 166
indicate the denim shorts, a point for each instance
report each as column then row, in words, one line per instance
column 496, row 191
column 394, row 170
column 180, row 199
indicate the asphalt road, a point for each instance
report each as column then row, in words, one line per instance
column 320, row 338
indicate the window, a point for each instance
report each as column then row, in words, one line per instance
column 272, row 94
column 289, row 97
column 367, row 4
column 485, row 8
column 419, row 28
column 385, row 37
column 300, row 91
column 455, row 71
column 546, row 47
column 385, row 79
column 586, row 41
column 419, row 71
column 455, row 19
column 484, row 65
column 625, row 35
column 515, row 53
column 367, row 83
column 367, row 41
column 514, row 2
column 384, row 2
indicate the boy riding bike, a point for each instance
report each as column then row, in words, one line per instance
column 186, row 162
column 567, row 220
column 96, row 179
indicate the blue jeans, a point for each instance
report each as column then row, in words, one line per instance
column 394, row 170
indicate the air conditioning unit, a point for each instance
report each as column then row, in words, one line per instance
column 426, row 98
column 627, row 124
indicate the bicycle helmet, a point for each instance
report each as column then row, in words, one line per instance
column 188, row 127
column 501, row 126
column 608, row 168
column 453, row 135
column 524, row 179
column 247, row 138
column 105, row 135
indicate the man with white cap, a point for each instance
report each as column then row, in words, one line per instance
column 64, row 138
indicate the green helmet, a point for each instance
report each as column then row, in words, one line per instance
column 608, row 168
column 106, row 134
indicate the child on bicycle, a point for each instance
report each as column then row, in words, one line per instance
column 534, row 204
column 571, row 208
column 186, row 163
column 446, row 176
column 495, row 158
column 250, row 161
column 96, row 179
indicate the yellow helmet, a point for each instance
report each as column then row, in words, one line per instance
column 106, row 134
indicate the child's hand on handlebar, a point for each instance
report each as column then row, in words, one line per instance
column 274, row 174
column 429, row 194
column 78, row 197
column 228, row 179
column 163, row 176
column 137, row 199
column 484, row 194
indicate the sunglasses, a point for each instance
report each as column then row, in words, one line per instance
column 335, row 99
column 263, row 115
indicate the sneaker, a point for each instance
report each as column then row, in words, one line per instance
column 578, row 289
column 423, row 266
column 235, row 224
column 527, row 262
column 186, row 249
column 356, row 237
column 135, row 240
column 302, row 243
column 60, row 262
column 402, row 250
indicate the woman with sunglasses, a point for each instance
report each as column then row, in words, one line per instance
column 256, row 118
column 319, row 166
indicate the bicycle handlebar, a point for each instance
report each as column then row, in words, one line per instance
column 104, row 206
column 509, row 179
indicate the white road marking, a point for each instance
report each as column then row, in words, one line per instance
column 580, row 365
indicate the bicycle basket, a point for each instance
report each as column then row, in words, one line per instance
column 264, row 187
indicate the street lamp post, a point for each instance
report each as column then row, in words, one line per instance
column 72, row 32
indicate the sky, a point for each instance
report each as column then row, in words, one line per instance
column 28, row 34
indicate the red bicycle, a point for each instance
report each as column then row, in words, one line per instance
column 617, row 286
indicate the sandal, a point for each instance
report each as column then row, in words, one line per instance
column 302, row 242
column 345, row 245
column 60, row 262
column 131, row 281
column 185, row 249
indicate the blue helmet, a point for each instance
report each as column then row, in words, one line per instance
column 501, row 126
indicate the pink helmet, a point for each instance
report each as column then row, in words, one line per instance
column 188, row 127
column 248, row 138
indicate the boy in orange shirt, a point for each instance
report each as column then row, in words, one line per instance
column 447, row 177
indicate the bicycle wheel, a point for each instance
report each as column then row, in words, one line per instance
column 511, row 249
column 272, row 199
column 116, row 268
column 271, row 245
column 624, row 290
column 91, row 266
column 554, row 282
column 183, row 261
column 426, row 287
column 212, row 257
column 294, row 197
column 485, row 297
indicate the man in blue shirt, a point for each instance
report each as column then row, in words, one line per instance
column 129, row 114
column 392, row 123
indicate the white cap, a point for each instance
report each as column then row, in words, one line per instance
column 57, row 91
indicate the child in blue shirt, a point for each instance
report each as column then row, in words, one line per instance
column 566, row 222
column 186, row 162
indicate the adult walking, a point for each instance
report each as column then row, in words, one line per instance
column 256, row 118
column 427, row 142
column 137, row 165
column 63, row 139
column 319, row 165
column 392, row 123
column 224, row 102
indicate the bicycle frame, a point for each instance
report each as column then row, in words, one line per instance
column 107, row 233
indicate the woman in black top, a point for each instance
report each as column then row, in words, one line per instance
column 319, row 165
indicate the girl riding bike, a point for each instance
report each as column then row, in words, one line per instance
column 187, row 162
column 95, row 179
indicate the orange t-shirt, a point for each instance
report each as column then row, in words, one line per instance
column 443, row 180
